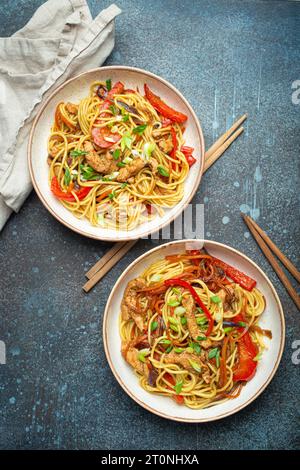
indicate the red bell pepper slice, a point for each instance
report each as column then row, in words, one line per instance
column 163, row 108
column 187, row 152
column 247, row 351
column 237, row 276
column 117, row 89
column 189, row 287
column 68, row 196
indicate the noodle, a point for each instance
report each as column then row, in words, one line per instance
column 124, row 130
column 166, row 356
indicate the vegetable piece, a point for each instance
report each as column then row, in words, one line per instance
column 154, row 325
column 117, row 89
column 178, row 387
column 139, row 129
column 108, row 84
column 116, row 154
column 195, row 365
column 148, row 149
column 179, row 310
column 173, row 302
column 215, row 299
column 163, row 108
column 212, row 353
column 189, row 287
column 77, row 153
column 169, row 378
column 103, row 196
column 237, row 276
column 247, row 352
column 126, row 141
column 163, row 171
column 68, row 196
column 187, row 152
column 104, row 138
column 67, row 177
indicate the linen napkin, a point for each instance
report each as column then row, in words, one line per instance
column 61, row 40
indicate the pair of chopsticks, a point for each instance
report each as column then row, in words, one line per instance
column 267, row 246
column 113, row 256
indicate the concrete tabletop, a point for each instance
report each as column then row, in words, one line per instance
column 56, row 389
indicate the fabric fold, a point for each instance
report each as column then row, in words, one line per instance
column 61, row 40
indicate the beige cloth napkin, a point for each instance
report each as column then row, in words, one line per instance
column 60, row 41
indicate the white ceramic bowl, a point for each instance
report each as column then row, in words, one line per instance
column 272, row 319
column 76, row 89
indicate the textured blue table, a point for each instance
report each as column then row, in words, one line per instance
column 57, row 390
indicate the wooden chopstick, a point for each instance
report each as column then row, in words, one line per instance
column 210, row 160
column 225, row 136
column 105, row 258
column 287, row 263
column 112, row 261
column 110, row 258
column 272, row 260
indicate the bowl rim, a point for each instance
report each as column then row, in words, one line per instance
column 141, row 402
column 102, row 237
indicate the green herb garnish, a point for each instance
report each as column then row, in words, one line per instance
column 141, row 357
column 116, row 154
column 121, row 164
column 126, row 141
column 201, row 321
column 196, row 347
column 178, row 387
column 195, row 365
column 125, row 117
column 165, row 341
column 228, row 329
column 212, row 353
column 162, row 171
column 67, row 177
column 169, row 349
column 113, row 109
column 88, row 173
column 123, row 185
column 215, row 299
column 108, row 84
column 112, row 195
column 139, row 129
column 178, row 350
column 77, row 153
column 183, row 321
column 201, row 338
column 154, row 325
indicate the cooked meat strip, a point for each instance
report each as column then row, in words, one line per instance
column 130, row 170
column 189, row 305
column 103, row 163
column 184, row 359
column 130, row 354
column 129, row 306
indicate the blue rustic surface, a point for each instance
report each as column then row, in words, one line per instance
column 57, row 390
